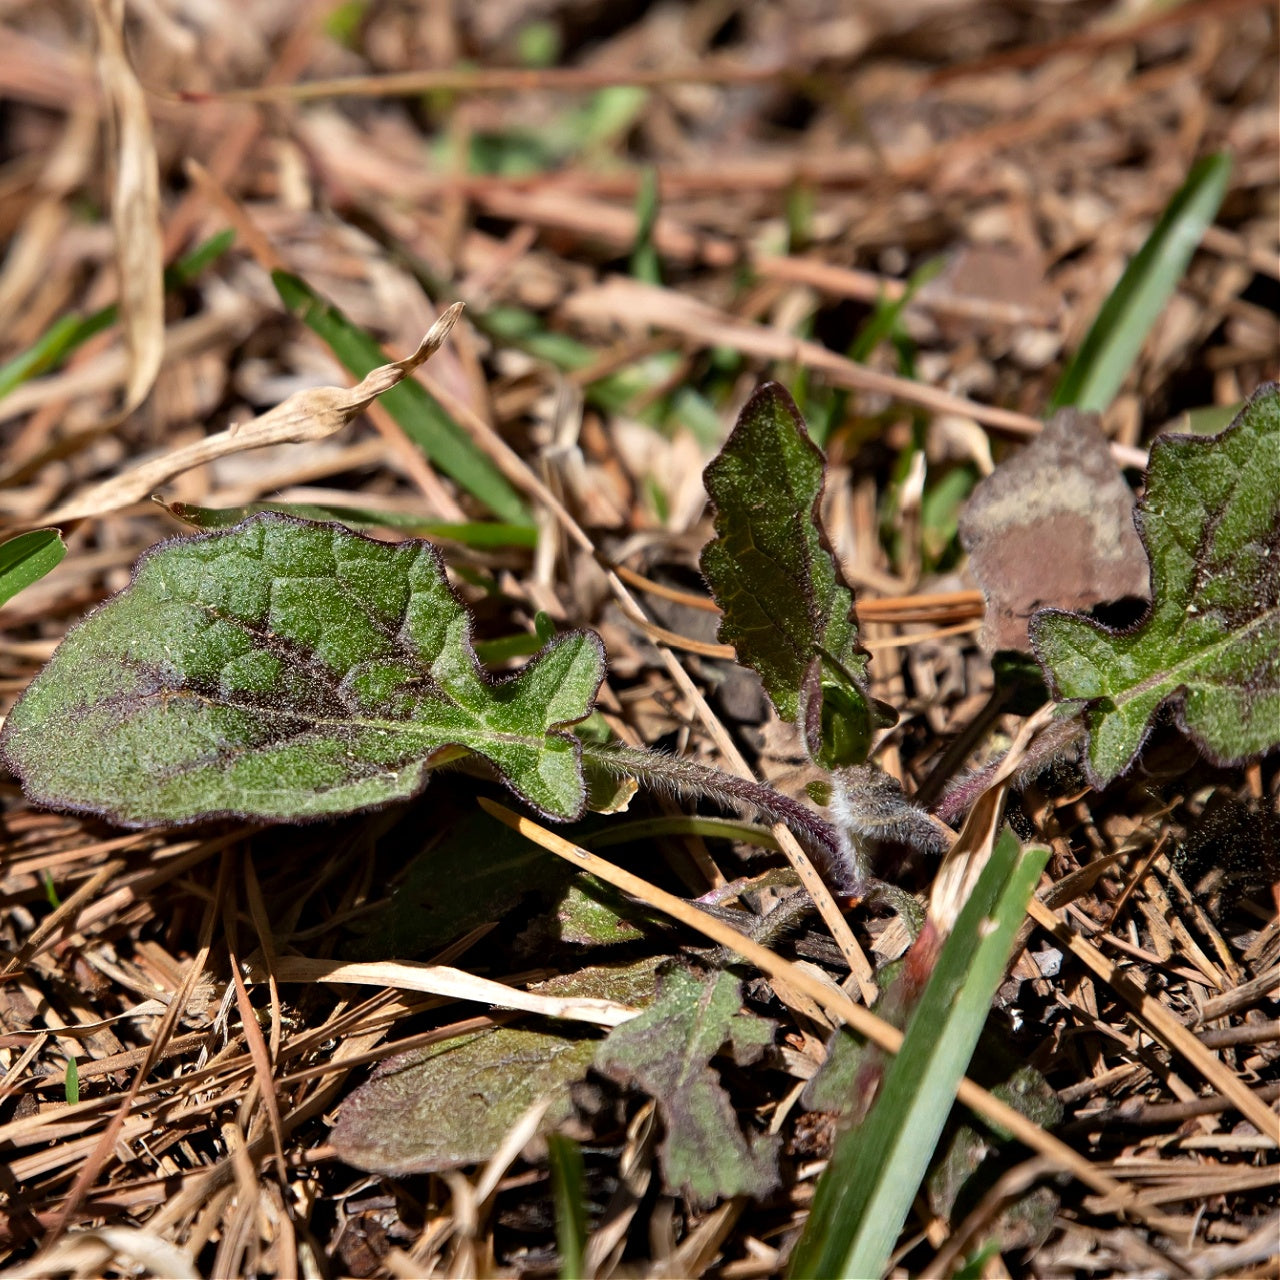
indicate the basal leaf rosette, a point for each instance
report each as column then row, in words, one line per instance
column 1209, row 645
column 287, row 671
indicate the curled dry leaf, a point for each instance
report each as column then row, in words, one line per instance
column 135, row 206
column 306, row 415
column 1052, row 527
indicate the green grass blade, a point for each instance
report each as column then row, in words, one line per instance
column 71, row 1083
column 480, row 535
column 644, row 254
column 571, row 1218
column 27, row 558
column 53, row 346
column 865, row 1193
column 67, row 333
column 1098, row 369
column 884, row 319
column 420, row 416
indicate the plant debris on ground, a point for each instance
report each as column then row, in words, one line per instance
column 481, row 839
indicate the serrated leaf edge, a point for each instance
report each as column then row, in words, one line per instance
column 1175, row 700
column 809, row 694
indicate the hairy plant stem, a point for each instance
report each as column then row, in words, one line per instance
column 1055, row 741
column 680, row 777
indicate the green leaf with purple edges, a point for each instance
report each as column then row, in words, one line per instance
column 667, row 1051
column 452, row 1103
column 788, row 611
column 288, row 671
column 1209, row 645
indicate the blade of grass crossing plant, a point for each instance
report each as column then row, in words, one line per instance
column 423, row 420
column 482, row 535
column 888, row 311
column 27, row 558
column 62, row 337
column 867, row 1189
column 193, row 264
column 975, row 1266
column 1098, row 369
column 571, row 1218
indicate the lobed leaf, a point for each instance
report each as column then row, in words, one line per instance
column 1209, row 645
column 288, row 671
column 667, row 1052
column 787, row 610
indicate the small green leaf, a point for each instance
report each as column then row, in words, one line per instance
column 288, row 671
column 27, row 558
column 975, row 1154
column 871, row 1181
column 787, row 609
column 67, row 333
column 71, row 1083
column 1209, row 645
column 1098, row 369
column 667, row 1052
column 645, row 263
column 591, row 914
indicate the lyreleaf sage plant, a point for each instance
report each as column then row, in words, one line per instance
column 285, row 670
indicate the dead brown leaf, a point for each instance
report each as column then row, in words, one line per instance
column 1052, row 526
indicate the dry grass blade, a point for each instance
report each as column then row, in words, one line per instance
column 135, row 206
column 971, row 851
column 455, row 984
column 1164, row 1026
column 306, row 415
column 89, row 1253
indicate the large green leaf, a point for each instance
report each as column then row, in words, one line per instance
column 787, row 609
column 287, row 671
column 1209, row 645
